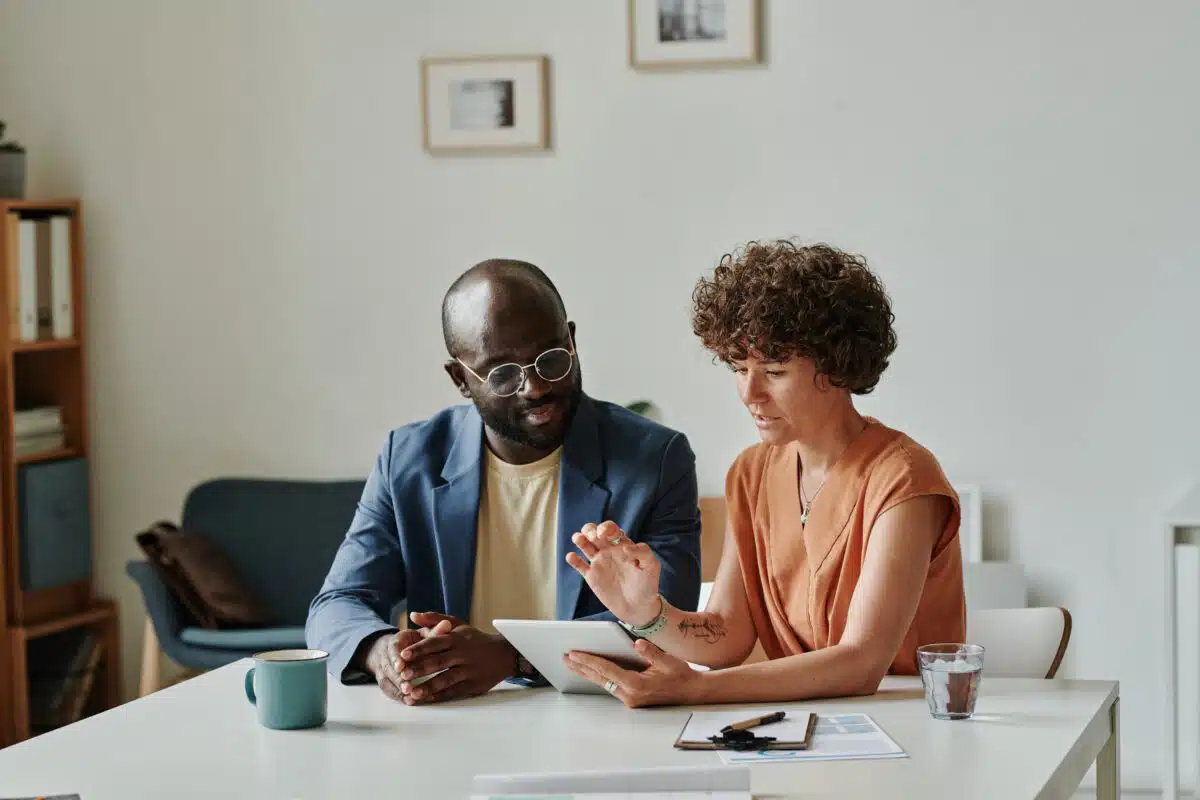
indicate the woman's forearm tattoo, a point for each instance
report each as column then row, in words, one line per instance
column 705, row 629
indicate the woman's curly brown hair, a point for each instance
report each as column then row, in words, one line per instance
column 778, row 300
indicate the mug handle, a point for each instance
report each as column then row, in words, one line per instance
column 250, row 687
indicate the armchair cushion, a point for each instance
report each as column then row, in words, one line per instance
column 252, row 640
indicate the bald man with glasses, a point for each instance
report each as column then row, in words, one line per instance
column 468, row 516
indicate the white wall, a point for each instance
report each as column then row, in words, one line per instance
column 268, row 244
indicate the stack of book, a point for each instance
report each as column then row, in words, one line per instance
column 63, row 668
column 37, row 430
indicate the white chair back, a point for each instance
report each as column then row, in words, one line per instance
column 994, row 584
column 1020, row 642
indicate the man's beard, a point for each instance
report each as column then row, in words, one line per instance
column 507, row 424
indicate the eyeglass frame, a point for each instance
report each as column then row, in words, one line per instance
column 486, row 382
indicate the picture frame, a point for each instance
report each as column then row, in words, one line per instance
column 485, row 104
column 970, row 529
column 684, row 34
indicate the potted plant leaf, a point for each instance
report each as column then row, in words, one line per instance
column 646, row 408
column 12, row 167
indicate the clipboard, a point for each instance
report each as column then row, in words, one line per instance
column 704, row 731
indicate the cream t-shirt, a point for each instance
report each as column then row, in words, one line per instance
column 516, row 545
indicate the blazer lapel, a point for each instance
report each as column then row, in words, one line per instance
column 456, row 515
column 581, row 498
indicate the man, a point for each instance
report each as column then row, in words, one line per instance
column 468, row 516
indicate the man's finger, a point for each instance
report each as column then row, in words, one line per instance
column 428, row 666
column 464, row 688
column 397, row 644
column 428, row 619
column 389, row 681
column 440, row 629
column 390, row 686
column 437, row 685
column 578, row 563
column 427, row 647
column 403, row 639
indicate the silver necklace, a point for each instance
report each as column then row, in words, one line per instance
column 806, row 505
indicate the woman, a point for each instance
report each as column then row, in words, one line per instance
column 841, row 553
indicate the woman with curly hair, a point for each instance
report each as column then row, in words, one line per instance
column 841, row 551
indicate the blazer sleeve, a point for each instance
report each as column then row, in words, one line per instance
column 365, row 581
column 672, row 527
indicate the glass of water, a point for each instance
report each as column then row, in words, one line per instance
column 951, row 674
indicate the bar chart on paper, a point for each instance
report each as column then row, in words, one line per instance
column 843, row 737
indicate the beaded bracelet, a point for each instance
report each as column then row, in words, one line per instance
column 653, row 626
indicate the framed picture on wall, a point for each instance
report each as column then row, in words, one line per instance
column 485, row 104
column 673, row 34
column 970, row 529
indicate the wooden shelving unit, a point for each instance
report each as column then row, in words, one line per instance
column 48, row 344
column 48, row 371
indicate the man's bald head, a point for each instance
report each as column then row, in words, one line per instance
column 489, row 293
column 508, row 312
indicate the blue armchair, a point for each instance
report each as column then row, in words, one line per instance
column 280, row 534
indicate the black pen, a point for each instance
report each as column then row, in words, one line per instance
column 766, row 719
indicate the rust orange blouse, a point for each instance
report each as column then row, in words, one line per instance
column 799, row 581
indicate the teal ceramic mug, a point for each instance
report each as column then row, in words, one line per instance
column 288, row 688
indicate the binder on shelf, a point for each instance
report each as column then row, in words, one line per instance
column 44, row 306
column 62, row 313
column 12, row 261
column 54, row 523
column 27, row 280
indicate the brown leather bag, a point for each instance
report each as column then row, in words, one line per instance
column 203, row 577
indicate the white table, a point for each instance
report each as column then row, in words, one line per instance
column 200, row 739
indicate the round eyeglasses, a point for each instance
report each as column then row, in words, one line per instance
column 505, row 380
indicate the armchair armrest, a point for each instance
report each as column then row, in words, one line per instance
column 166, row 613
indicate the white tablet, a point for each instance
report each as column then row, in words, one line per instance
column 545, row 642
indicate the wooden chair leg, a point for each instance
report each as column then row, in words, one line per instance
column 151, row 660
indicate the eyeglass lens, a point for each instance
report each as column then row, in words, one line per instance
column 552, row 365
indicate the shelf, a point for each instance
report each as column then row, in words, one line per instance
column 48, row 455
column 45, row 344
column 102, row 610
column 46, row 372
column 39, row 205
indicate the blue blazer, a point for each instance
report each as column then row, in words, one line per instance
column 412, row 538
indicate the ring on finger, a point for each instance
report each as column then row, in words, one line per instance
column 610, row 687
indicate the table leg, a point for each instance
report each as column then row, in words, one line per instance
column 151, row 679
column 1171, row 749
column 1108, row 762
